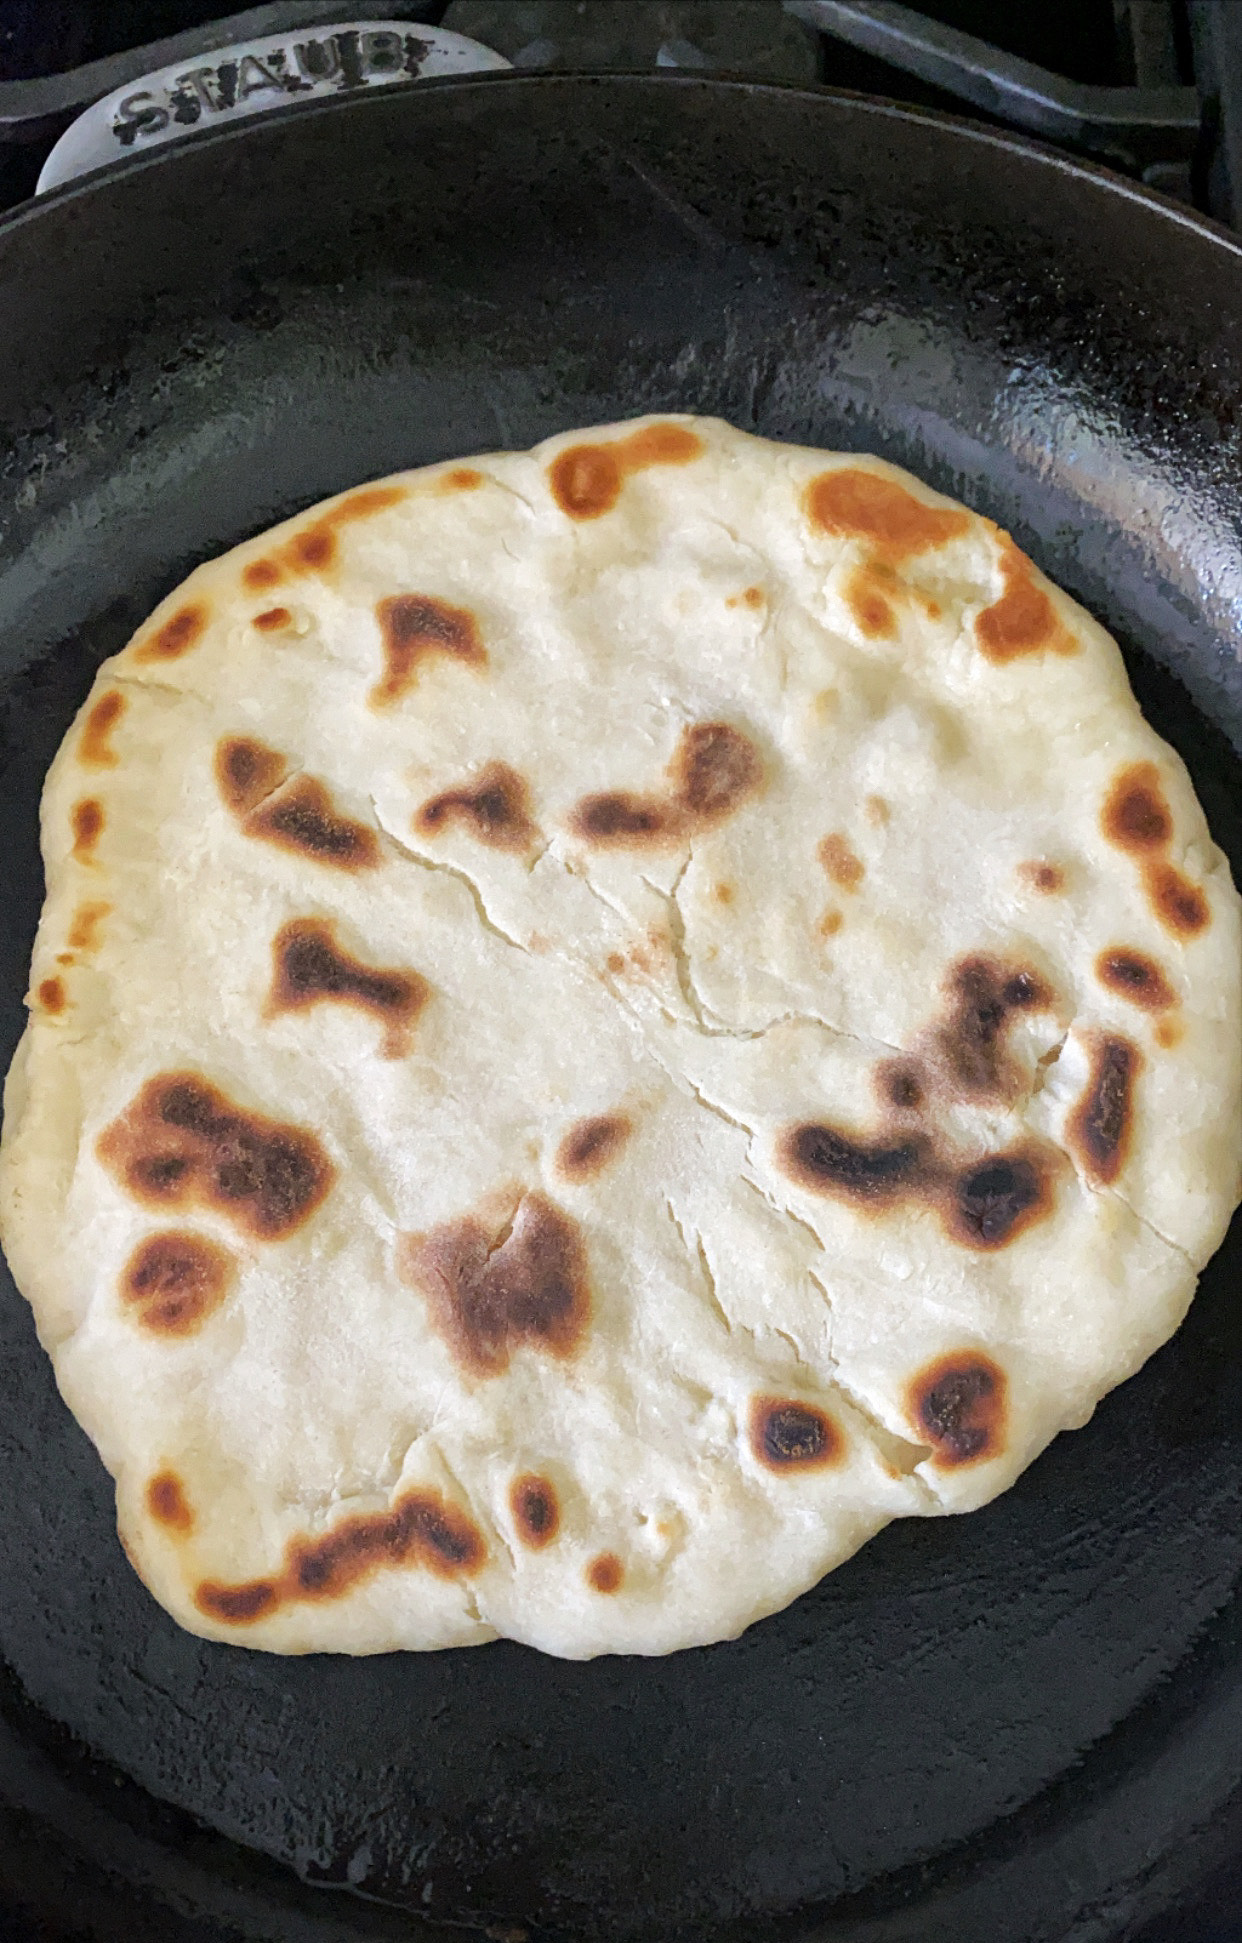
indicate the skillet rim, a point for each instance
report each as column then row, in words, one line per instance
column 1026, row 150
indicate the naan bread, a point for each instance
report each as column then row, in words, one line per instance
column 607, row 1021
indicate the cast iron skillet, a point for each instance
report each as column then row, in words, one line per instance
column 1019, row 1726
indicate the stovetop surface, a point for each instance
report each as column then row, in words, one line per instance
column 1086, row 41
column 1078, row 38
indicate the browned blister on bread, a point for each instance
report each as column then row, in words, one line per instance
column 310, row 967
column 182, row 1143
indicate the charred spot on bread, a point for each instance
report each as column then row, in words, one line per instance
column 490, row 1292
column 182, row 1143
column 959, row 1404
column 790, row 1435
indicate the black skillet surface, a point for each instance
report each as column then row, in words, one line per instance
column 1021, row 1726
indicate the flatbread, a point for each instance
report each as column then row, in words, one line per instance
column 607, row 1021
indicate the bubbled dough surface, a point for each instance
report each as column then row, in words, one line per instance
column 713, row 989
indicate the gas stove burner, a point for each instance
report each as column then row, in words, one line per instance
column 758, row 38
